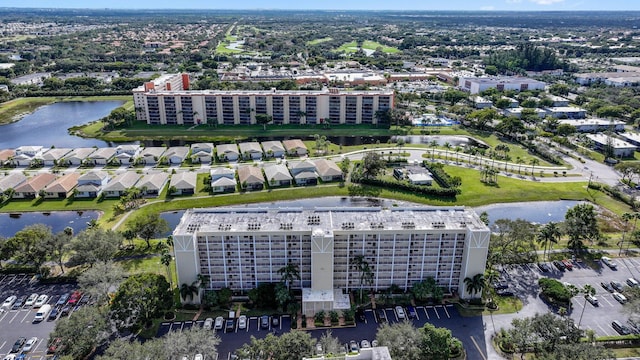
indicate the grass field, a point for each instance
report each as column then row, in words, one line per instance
column 351, row 47
column 222, row 46
column 319, row 41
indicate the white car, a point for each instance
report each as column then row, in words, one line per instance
column 610, row 263
column 9, row 301
column 10, row 357
column 219, row 323
column 31, row 300
column 30, row 344
column 400, row 312
column 198, row 357
column 619, row 297
column 42, row 299
column 208, row 323
column 242, row 322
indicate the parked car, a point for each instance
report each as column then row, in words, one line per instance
column 8, row 302
column 607, row 286
column 54, row 314
column 65, row 310
column 264, row 322
column 382, row 315
column 218, row 323
column 619, row 297
column 617, row 285
column 633, row 282
column 42, row 299
column 54, row 346
column 17, row 346
column 242, row 322
column 62, row 300
column 9, row 357
column 275, row 320
column 74, row 298
column 505, row 293
column 400, row 312
column 620, row 328
column 31, row 300
column 500, row 285
column 353, row 346
column 592, row 299
column 610, row 263
column 230, row 325
column 567, row 263
column 559, row 265
column 544, row 267
column 18, row 303
column 411, row 311
column 208, row 324
column 365, row 344
column 30, row 344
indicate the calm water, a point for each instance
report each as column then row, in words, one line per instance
column 10, row 224
column 48, row 125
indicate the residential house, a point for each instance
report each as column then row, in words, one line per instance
column 30, row 189
column 152, row 184
column 558, row 101
column 102, row 156
column 202, row 153
column 22, row 160
column 6, row 155
column 277, row 175
column 295, row 147
column 90, row 185
column 78, row 156
column 482, row 103
column 151, row 155
column 273, row 149
column 304, row 172
column 251, row 150
column 250, row 178
column 62, row 187
column 184, row 183
column 511, row 102
column 619, row 147
column 595, row 125
column 223, row 180
column 328, row 170
column 24, row 155
column 11, row 181
column 126, row 154
column 52, row 156
column 119, row 185
column 175, row 155
column 567, row 112
column 228, row 152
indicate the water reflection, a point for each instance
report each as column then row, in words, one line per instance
column 57, row 220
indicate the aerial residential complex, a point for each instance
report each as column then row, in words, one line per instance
column 240, row 248
column 167, row 100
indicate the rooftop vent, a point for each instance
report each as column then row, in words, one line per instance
column 348, row 225
column 224, row 227
column 408, row 225
column 286, row 226
column 253, row 226
column 313, row 220
column 377, row 225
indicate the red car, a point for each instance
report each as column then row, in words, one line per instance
column 74, row 298
column 567, row 263
column 55, row 346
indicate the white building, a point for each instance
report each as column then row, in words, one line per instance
column 240, row 248
column 476, row 85
column 594, row 125
column 620, row 148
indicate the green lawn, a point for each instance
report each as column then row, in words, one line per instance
column 350, row 47
column 319, row 41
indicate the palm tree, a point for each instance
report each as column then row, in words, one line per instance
column 586, row 290
column 433, row 145
column 447, row 146
column 549, row 233
column 457, row 150
column 475, row 284
column 519, row 161
column 188, row 291
column 366, row 275
column 534, row 162
column 165, row 259
column 625, row 217
column 289, row 273
column 301, row 115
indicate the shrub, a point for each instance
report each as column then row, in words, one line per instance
column 443, row 192
column 554, row 290
column 441, row 177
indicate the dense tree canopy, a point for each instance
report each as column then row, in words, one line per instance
column 525, row 57
column 139, row 299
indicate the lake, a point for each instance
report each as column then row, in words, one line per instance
column 47, row 126
column 58, row 220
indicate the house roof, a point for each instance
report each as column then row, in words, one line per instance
column 23, row 157
column 250, row 147
column 130, row 148
column 81, row 153
column 96, row 176
column 227, row 148
column 6, row 154
column 123, row 181
column 306, row 175
column 23, row 149
column 250, row 175
column 223, row 181
column 36, row 183
column 297, row 166
column 277, row 172
column 63, row 184
column 200, row 154
column 153, row 151
column 55, row 154
column 179, row 151
column 293, row 144
column 222, row 172
column 153, row 181
column 103, row 153
column 11, row 181
column 184, row 180
column 88, row 188
column 202, row 147
column 273, row 146
column 327, row 168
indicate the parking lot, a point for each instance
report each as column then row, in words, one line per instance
column 17, row 323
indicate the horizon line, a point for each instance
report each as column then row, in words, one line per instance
column 292, row 9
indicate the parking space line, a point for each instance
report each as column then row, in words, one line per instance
column 603, row 330
column 436, row 310
column 446, row 312
column 608, row 302
column 475, row 343
column 417, row 314
column 3, row 344
column 25, row 316
column 426, row 313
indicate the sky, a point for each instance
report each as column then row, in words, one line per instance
column 499, row 5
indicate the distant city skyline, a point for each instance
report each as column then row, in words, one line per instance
column 470, row 5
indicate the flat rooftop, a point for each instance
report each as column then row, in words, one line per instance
column 215, row 220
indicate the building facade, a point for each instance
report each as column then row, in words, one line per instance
column 168, row 101
column 241, row 248
column 476, row 85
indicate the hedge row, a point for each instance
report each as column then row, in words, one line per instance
column 442, row 192
column 40, row 93
column 440, row 176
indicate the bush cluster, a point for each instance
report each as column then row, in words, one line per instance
column 443, row 192
column 441, row 177
column 554, row 290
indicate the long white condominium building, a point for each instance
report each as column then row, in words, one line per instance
column 240, row 248
column 167, row 100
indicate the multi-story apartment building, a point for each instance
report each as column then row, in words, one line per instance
column 240, row 248
column 167, row 101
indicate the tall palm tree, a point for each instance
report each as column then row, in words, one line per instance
column 549, row 233
column 362, row 266
column 534, row 162
column 474, row 284
column 625, row 217
column 433, row 145
column 289, row 273
column 447, row 146
column 519, row 161
column 586, row 290
column 165, row 259
column 188, row 291
column 457, row 150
